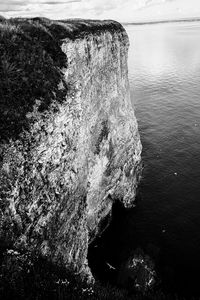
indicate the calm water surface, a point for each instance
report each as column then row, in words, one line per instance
column 164, row 74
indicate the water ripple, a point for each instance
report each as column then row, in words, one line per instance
column 164, row 72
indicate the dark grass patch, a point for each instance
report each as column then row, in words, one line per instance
column 31, row 69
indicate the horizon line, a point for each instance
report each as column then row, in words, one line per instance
column 194, row 19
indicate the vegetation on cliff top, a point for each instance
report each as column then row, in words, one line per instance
column 32, row 64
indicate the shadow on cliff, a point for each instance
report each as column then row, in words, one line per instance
column 109, row 253
column 103, row 254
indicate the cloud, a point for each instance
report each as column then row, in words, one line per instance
column 59, row 2
column 121, row 10
column 12, row 2
column 23, row 6
column 11, row 5
column 169, row 9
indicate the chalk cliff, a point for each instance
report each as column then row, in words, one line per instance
column 69, row 142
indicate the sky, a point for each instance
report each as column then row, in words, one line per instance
column 120, row 10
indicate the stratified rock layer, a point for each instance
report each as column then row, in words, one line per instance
column 69, row 138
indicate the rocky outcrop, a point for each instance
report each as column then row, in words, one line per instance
column 69, row 139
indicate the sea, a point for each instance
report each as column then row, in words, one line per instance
column 164, row 76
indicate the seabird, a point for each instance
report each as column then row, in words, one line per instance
column 111, row 267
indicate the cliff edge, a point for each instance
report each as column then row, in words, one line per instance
column 69, row 142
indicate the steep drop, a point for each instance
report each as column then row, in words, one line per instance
column 69, row 138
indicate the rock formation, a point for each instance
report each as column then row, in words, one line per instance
column 69, row 142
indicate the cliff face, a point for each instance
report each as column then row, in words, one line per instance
column 69, row 138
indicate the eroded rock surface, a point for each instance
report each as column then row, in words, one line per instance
column 69, row 138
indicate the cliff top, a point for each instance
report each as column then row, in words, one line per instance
column 60, row 29
column 31, row 63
